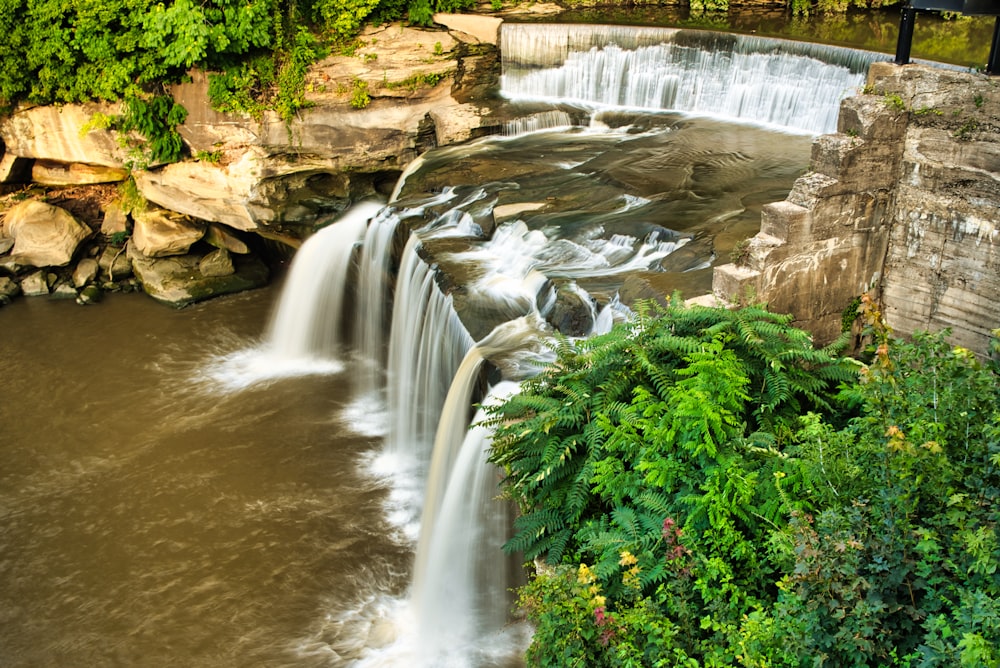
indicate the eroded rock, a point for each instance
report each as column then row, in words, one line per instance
column 44, row 235
column 178, row 281
column 159, row 233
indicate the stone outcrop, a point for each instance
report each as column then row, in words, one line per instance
column 64, row 134
column 901, row 202
column 404, row 90
column 159, row 233
column 44, row 235
column 178, row 280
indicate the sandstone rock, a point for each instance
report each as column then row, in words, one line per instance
column 44, row 235
column 115, row 220
column 207, row 191
column 85, row 272
column 51, row 173
column 177, row 281
column 221, row 237
column 159, row 233
column 35, row 284
column 57, row 133
column 484, row 29
column 115, row 263
column 217, row 263
column 8, row 289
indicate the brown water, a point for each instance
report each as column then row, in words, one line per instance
column 149, row 518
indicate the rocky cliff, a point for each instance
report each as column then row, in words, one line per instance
column 902, row 202
column 402, row 91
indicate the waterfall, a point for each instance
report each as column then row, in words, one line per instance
column 793, row 85
column 370, row 325
column 307, row 323
column 462, row 575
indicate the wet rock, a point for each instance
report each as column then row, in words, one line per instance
column 64, row 291
column 160, row 233
column 176, row 280
column 217, row 263
column 44, row 235
column 85, row 272
column 115, row 263
column 572, row 314
column 8, row 289
column 35, row 284
column 89, row 295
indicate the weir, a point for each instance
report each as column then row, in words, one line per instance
column 793, row 85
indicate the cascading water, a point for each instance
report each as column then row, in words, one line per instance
column 524, row 232
column 793, row 85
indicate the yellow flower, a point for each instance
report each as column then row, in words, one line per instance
column 627, row 558
column 584, row 575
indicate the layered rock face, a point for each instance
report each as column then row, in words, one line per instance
column 902, row 202
column 405, row 90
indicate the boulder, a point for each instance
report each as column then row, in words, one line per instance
column 159, row 233
column 217, row 263
column 63, row 133
column 177, row 280
column 85, row 272
column 6, row 243
column 35, row 284
column 64, row 291
column 115, row 263
column 8, row 289
column 89, row 295
column 221, row 236
column 115, row 219
column 44, row 235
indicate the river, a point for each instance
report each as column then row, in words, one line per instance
column 163, row 502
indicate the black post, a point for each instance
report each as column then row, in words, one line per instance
column 906, row 23
column 993, row 64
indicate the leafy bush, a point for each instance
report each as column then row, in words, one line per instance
column 721, row 502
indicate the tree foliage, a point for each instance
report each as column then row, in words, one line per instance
column 708, row 489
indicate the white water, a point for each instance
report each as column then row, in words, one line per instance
column 308, row 321
column 441, row 488
column 790, row 85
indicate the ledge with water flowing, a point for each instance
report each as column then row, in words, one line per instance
column 797, row 86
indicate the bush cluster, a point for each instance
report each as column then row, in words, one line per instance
column 62, row 51
column 702, row 487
